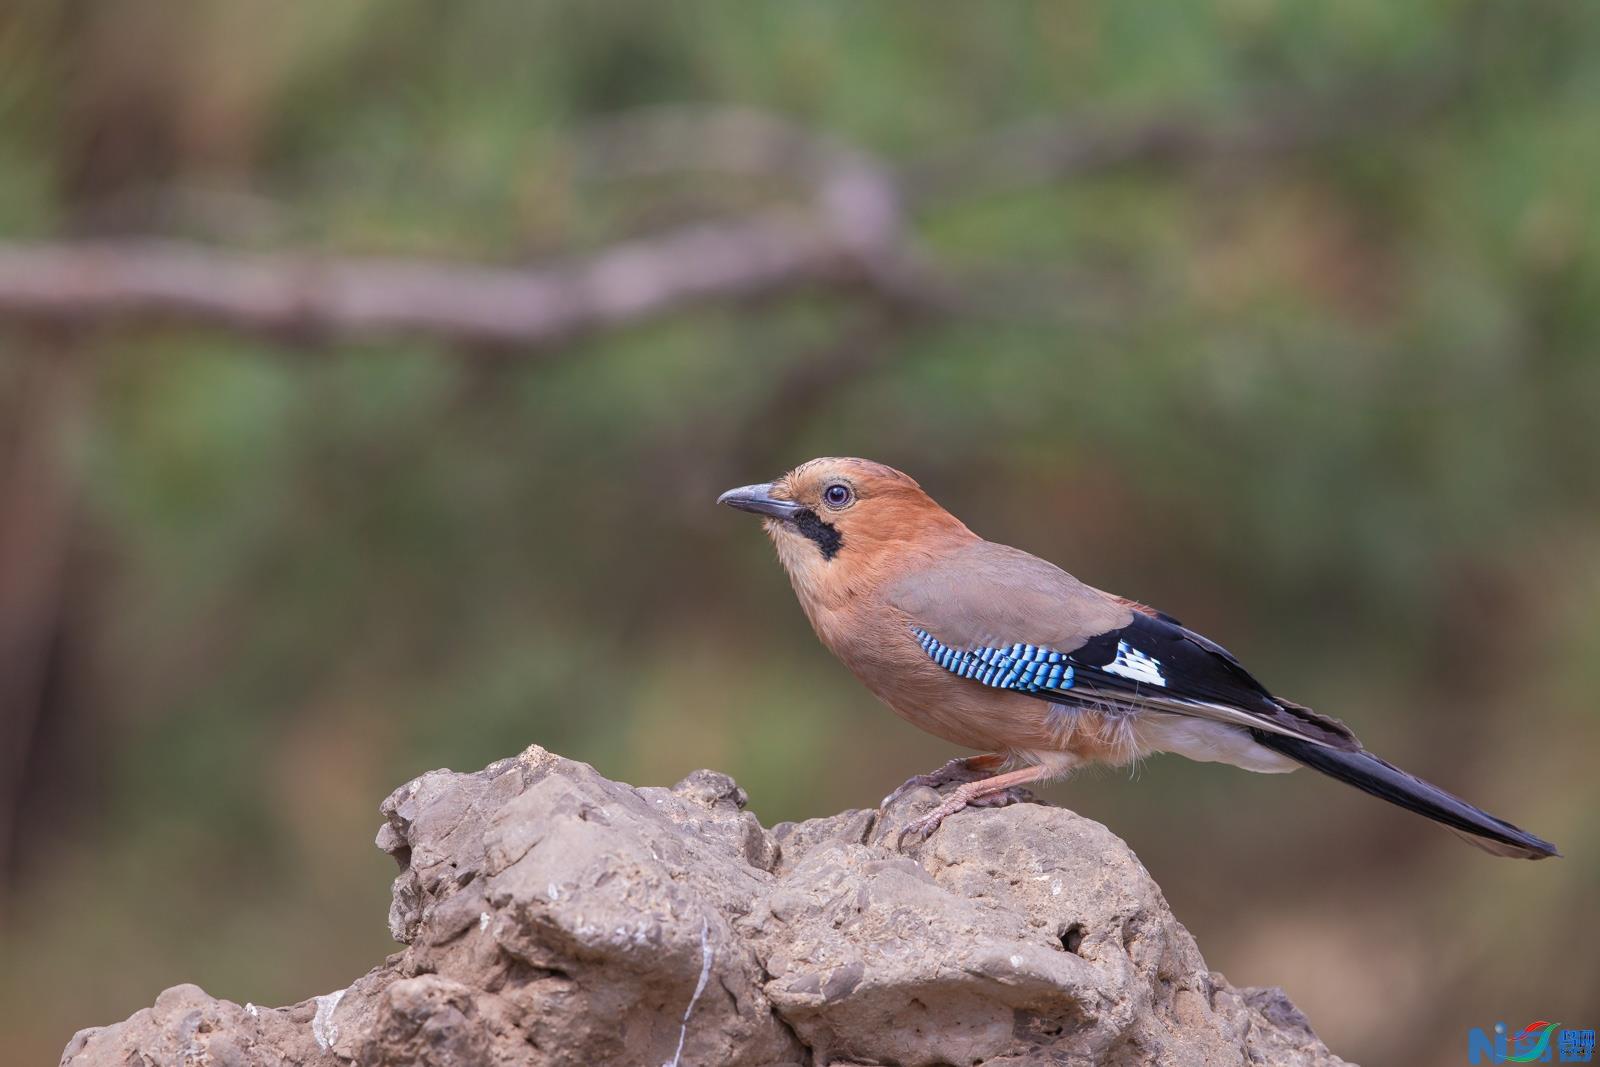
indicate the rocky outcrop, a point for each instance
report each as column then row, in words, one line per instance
column 551, row 916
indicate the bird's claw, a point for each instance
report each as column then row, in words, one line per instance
column 919, row 829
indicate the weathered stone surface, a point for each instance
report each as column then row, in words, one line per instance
column 551, row 916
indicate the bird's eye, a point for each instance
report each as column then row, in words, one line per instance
column 837, row 495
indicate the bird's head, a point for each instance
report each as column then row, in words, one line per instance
column 840, row 524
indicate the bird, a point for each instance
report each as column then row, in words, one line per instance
column 998, row 651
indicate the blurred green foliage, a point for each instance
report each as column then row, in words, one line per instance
column 1336, row 408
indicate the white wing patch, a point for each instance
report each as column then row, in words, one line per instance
column 1133, row 664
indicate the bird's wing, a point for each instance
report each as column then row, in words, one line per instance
column 1007, row 619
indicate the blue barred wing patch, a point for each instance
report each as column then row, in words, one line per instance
column 1027, row 668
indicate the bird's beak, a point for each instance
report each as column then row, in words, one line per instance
column 759, row 499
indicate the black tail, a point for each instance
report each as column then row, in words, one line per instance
column 1373, row 775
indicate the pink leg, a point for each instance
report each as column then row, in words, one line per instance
column 974, row 793
column 961, row 769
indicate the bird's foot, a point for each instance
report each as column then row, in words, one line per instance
column 999, row 790
column 959, row 771
column 919, row 829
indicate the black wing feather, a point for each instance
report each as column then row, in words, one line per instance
column 1195, row 668
column 1192, row 667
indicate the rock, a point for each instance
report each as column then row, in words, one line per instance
column 186, row 1026
column 554, row 917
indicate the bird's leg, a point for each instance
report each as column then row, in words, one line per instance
column 974, row 793
column 962, row 769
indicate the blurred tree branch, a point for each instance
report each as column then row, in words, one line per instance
column 1053, row 150
column 850, row 240
column 305, row 298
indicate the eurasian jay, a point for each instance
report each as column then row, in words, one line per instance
column 992, row 649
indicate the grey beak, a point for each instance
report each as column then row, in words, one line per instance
column 759, row 499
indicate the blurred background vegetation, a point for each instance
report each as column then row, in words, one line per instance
column 1282, row 318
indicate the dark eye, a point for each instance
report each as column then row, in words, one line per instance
column 837, row 495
